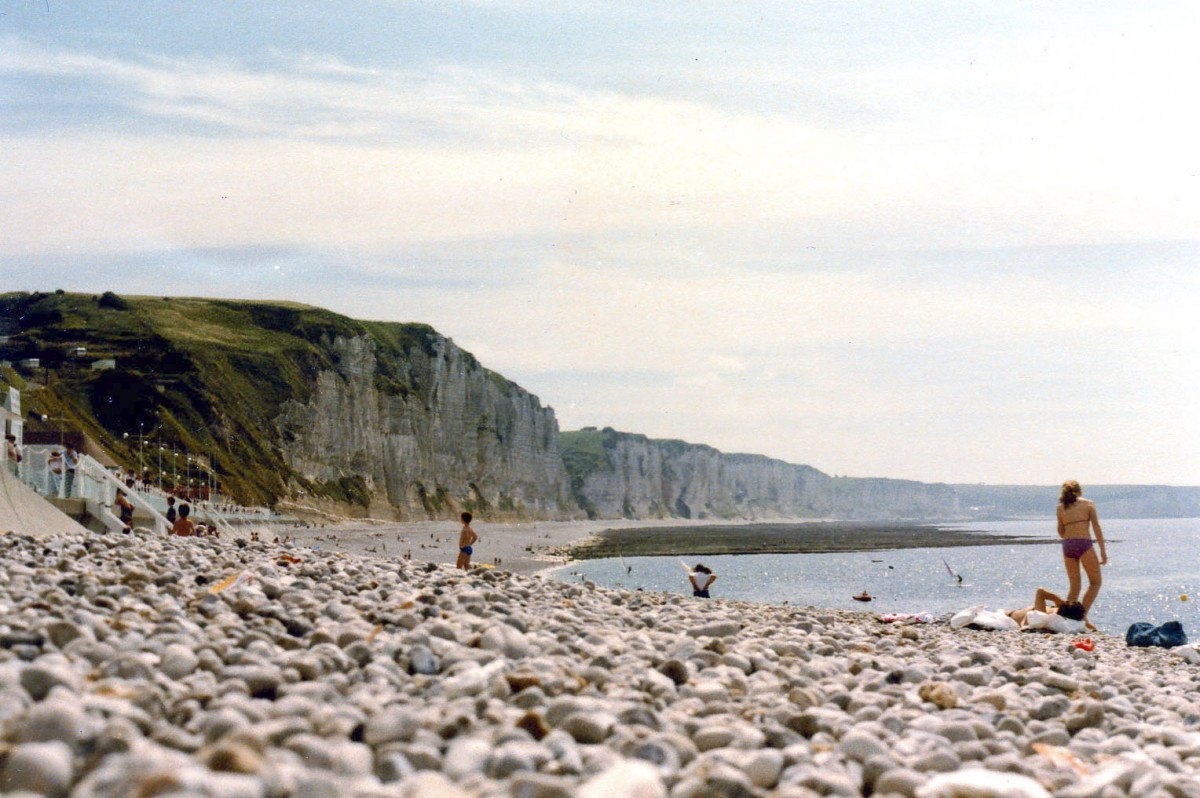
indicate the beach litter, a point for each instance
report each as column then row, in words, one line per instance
column 907, row 617
column 1062, row 757
column 236, row 580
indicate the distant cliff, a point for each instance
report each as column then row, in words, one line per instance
column 1112, row 501
column 623, row 475
column 617, row 474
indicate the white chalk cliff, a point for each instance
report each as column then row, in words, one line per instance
column 456, row 437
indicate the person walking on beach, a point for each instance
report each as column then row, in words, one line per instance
column 466, row 540
column 171, row 512
column 701, row 584
column 1077, row 520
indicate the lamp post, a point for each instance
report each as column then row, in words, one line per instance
column 189, row 475
column 141, row 448
column 160, row 451
column 61, row 438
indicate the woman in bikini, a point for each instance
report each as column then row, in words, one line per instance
column 1077, row 520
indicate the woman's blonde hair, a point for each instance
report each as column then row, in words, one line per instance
column 1070, row 492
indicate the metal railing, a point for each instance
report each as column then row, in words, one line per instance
column 91, row 475
column 88, row 480
column 96, row 485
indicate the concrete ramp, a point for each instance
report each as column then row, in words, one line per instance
column 24, row 512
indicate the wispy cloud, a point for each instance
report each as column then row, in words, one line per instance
column 930, row 241
column 402, row 155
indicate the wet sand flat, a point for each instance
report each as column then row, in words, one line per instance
column 782, row 538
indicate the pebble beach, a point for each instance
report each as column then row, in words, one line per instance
column 137, row 665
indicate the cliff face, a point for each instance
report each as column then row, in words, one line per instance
column 622, row 475
column 284, row 401
column 456, row 437
column 293, row 403
column 1112, row 501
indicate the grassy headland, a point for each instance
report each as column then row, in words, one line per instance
column 204, row 377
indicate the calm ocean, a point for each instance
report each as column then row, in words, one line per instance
column 1152, row 563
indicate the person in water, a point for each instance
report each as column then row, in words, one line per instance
column 1042, row 599
column 701, row 584
column 1077, row 520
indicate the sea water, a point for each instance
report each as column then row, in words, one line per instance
column 1153, row 565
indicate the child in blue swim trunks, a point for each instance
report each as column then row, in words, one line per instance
column 466, row 539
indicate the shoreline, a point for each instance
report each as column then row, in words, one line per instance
column 541, row 546
column 524, row 547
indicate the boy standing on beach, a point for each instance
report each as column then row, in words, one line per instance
column 466, row 540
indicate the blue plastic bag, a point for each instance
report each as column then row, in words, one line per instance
column 1144, row 635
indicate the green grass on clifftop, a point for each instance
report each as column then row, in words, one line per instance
column 203, row 376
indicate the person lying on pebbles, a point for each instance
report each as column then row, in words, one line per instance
column 1042, row 599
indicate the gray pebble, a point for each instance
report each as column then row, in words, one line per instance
column 47, row 672
column 861, row 745
column 937, row 762
column 56, row 719
column 540, row 785
column 900, row 781
column 514, row 757
column 62, row 633
column 589, row 727
column 42, row 768
column 422, row 660
column 1051, row 707
column 178, row 661
column 1084, row 715
column 507, row 640
column 716, row 629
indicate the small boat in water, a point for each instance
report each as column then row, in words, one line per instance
column 863, row 596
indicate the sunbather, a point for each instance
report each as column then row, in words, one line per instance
column 1072, row 610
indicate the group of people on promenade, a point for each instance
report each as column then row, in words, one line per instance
column 61, row 464
column 179, row 517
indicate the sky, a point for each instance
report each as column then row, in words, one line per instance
column 944, row 241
